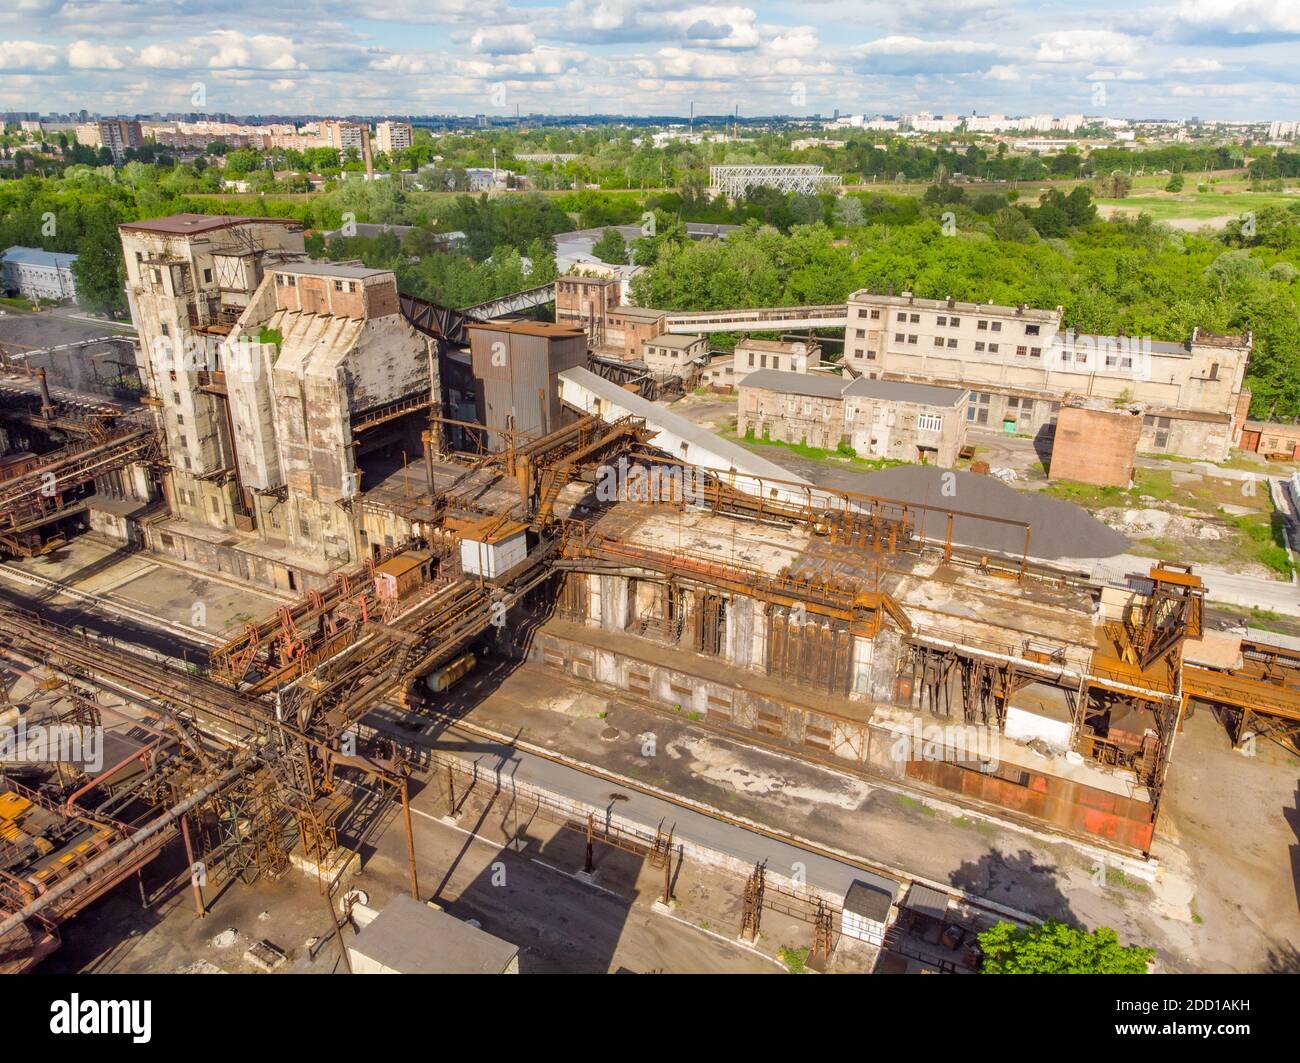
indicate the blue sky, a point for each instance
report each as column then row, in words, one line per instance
column 1213, row 58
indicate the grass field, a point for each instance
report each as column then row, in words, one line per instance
column 1225, row 197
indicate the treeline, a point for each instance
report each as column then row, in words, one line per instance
column 1134, row 277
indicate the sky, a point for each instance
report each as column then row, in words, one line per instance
column 1227, row 59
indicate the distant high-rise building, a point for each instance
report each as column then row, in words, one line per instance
column 393, row 136
column 111, row 133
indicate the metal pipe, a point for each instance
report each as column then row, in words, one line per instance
column 68, row 806
column 410, row 841
column 121, row 849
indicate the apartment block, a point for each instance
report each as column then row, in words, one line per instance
column 1021, row 365
column 393, row 136
column 116, row 135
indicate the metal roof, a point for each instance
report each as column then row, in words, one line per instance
column 902, row 391
column 814, row 384
column 927, row 901
column 740, row 458
column 36, row 256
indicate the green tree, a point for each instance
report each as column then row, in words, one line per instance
column 611, row 247
column 99, row 271
column 1175, row 183
column 1057, row 948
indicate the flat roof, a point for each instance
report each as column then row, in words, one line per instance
column 675, row 339
column 37, row 256
column 330, row 269
column 645, row 313
column 184, row 224
column 910, row 301
column 818, row 385
column 412, row 938
column 779, row 346
column 902, row 391
column 528, row 328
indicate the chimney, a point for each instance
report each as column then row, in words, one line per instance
column 365, row 152
column 951, row 303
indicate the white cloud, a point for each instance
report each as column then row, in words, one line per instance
column 83, row 55
column 27, row 55
column 1084, row 46
column 503, row 40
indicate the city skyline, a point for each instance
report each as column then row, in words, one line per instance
column 1225, row 60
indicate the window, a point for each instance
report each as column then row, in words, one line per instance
column 979, row 345
column 929, row 422
column 1031, row 330
column 762, row 361
column 1013, row 403
column 1214, row 371
column 338, row 286
column 996, row 326
column 1035, row 352
column 207, row 276
column 751, row 357
column 899, row 337
column 180, row 419
column 983, row 326
column 861, row 333
column 1021, row 351
column 993, row 348
column 862, row 312
column 912, row 338
column 776, row 362
column 916, row 319
column 902, row 318
column 875, row 315
column 954, row 322
column 952, row 343
column 941, row 321
column 938, row 341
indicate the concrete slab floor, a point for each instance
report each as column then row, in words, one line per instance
column 1226, row 898
column 532, row 898
column 97, row 566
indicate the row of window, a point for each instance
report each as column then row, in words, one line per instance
column 776, row 361
column 949, row 321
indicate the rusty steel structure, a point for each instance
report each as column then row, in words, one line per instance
column 247, row 759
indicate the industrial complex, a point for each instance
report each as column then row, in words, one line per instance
column 423, row 497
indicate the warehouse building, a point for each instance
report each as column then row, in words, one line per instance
column 38, row 274
column 878, row 419
column 1021, row 365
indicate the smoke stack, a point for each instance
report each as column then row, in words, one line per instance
column 365, row 152
column 47, row 404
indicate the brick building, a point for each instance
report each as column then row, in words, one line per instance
column 1021, row 366
column 879, row 419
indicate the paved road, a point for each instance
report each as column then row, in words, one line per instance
column 644, row 810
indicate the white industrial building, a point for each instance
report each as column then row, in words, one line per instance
column 38, row 274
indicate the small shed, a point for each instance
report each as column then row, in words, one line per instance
column 926, row 903
column 491, row 549
column 408, row 937
column 867, row 907
column 402, row 573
